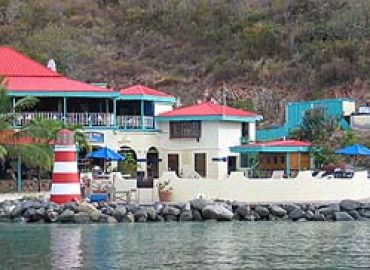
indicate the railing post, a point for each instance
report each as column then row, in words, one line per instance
column 287, row 164
column 114, row 112
column 65, row 110
column 142, row 114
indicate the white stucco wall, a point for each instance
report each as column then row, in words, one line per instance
column 360, row 122
column 303, row 188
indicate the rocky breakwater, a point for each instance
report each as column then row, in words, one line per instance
column 37, row 211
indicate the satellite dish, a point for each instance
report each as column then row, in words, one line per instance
column 52, row 65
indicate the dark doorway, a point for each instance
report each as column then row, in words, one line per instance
column 152, row 163
column 128, row 167
column 200, row 165
column 173, row 163
column 231, row 164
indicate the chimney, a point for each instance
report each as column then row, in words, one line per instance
column 52, row 65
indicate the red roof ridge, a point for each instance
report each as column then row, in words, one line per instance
column 139, row 89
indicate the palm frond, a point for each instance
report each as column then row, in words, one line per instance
column 25, row 103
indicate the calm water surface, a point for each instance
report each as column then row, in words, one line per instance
column 236, row 245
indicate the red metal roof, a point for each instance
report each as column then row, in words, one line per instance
column 24, row 74
column 50, row 84
column 143, row 90
column 279, row 143
column 13, row 63
column 208, row 109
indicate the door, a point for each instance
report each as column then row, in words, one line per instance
column 231, row 164
column 173, row 163
column 200, row 165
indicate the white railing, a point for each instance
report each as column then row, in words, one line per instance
column 134, row 122
column 90, row 119
column 129, row 121
column 26, row 117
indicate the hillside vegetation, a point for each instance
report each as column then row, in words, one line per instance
column 266, row 52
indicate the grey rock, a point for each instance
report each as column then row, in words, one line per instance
column 151, row 213
column 291, row 207
column 197, row 216
column 348, row 205
column 354, row 214
column 318, row 217
column 17, row 211
column 81, row 218
column 296, row 214
column 186, row 207
column 41, row 212
column 119, row 213
column 170, row 218
column 301, row 219
column 107, row 219
column 141, row 216
column 311, row 208
column 217, row 212
column 329, row 209
column 342, row 216
column 158, row 207
column 262, row 211
column 170, row 210
column 107, row 210
column 159, row 218
column 364, row 213
column 186, row 216
column 237, row 217
column 309, row 215
column 129, row 217
column 31, row 215
column 249, row 218
column 51, row 216
column 66, row 216
column 243, row 210
column 70, row 206
column 277, row 211
column 198, row 204
column 133, row 207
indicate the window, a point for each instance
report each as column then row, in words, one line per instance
column 186, row 129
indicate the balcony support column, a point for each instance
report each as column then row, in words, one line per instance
column 142, row 114
column 13, row 100
column 64, row 110
column 287, row 164
column 115, row 112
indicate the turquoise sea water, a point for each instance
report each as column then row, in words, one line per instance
column 234, row 245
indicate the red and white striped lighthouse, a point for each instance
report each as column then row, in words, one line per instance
column 65, row 181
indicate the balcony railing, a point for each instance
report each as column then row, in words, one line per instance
column 26, row 118
column 90, row 119
column 134, row 122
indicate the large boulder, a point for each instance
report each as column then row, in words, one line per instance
column 354, row 214
column 291, row 207
column 318, row 217
column 329, row 209
column 278, row 211
column 129, row 217
column 141, row 216
column 86, row 207
column 309, row 215
column 343, row 216
column 199, row 204
column 66, row 216
column 348, row 205
column 197, row 215
column 186, row 216
column 170, row 218
column 262, row 211
column 81, row 218
column 364, row 213
column 243, row 210
column 71, row 206
column 217, row 212
column 170, row 210
column 297, row 214
column 119, row 213
column 151, row 213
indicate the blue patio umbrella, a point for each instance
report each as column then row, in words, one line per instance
column 106, row 154
column 354, row 150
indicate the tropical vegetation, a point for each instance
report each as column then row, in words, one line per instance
column 272, row 51
column 325, row 133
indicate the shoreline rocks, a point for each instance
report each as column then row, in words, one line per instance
column 29, row 210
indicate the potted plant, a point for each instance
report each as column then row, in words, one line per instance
column 165, row 191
